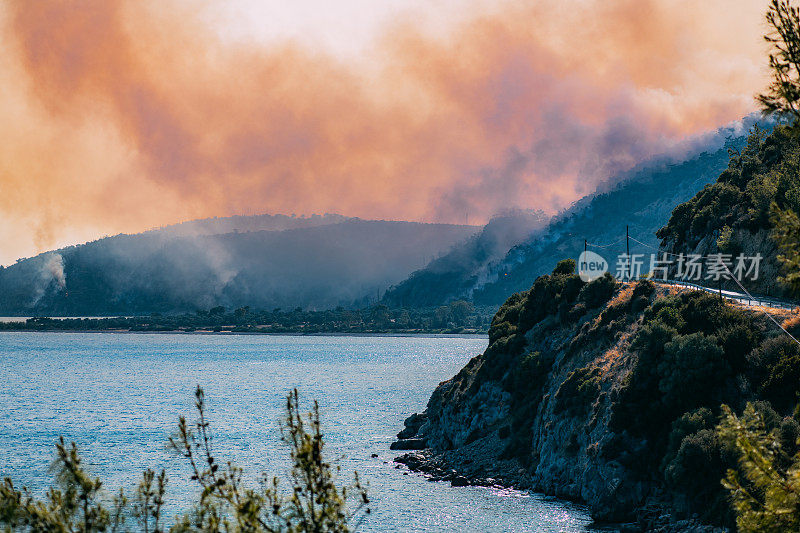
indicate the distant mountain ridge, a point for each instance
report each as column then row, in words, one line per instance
column 322, row 265
column 244, row 223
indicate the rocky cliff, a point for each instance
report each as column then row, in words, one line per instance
column 603, row 393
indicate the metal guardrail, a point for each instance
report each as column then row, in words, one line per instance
column 757, row 301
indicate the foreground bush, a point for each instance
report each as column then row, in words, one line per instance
column 312, row 503
column 766, row 490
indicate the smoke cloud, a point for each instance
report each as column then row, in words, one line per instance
column 120, row 115
column 51, row 276
column 54, row 270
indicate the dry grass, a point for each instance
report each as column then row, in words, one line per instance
column 670, row 290
column 622, row 297
column 777, row 312
column 624, row 294
column 792, row 320
column 614, row 354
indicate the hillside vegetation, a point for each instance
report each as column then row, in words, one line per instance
column 642, row 198
column 244, row 223
column 466, row 264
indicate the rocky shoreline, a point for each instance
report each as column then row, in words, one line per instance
column 479, row 464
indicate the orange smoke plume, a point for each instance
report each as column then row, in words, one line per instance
column 117, row 115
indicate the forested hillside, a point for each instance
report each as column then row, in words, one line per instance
column 313, row 267
column 610, row 394
column 242, row 223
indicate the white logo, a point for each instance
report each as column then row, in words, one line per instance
column 591, row 266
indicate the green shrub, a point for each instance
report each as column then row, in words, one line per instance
column 788, row 436
column 671, row 317
column 578, row 391
column 737, row 341
column 765, row 495
column 644, row 287
column 576, row 312
column 639, row 304
column 650, row 340
column 725, row 240
column 530, row 373
column 783, row 380
column 599, row 291
column 509, row 311
column 688, row 423
column 770, row 352
column 501, row 330
column 672, row 300
column 692, row 367
column 696, row 466
column 312, row 503
column 565, row 267
column 553, row 295
column 786, row 233
column 705, row 313
column 695, row 471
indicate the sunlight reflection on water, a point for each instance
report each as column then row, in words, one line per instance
column 119, row 396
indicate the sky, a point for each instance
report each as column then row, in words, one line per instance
column 124, row 115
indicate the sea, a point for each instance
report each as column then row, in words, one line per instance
column 118, row 397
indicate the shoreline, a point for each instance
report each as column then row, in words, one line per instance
column 268, row 333
column 463, row 468
column 437, row 467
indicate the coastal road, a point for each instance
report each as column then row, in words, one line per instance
column 744, row 299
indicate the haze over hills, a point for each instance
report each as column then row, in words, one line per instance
column 189, row 267
column 467, row 262
column 641, row 198
column 323, row 261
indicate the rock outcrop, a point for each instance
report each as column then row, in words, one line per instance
column 467, row 427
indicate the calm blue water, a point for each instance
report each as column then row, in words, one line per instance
column 119, row 396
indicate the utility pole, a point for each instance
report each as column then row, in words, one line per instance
column 628, row 251
column 584, row 256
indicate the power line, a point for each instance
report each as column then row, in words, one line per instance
column 735, row 279
column 653, row 247
column 605, row 245
column 628, row 250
